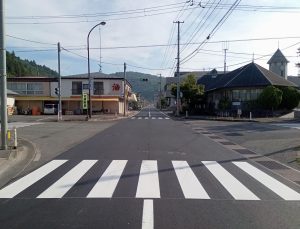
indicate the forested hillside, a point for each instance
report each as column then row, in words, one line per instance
column 18, row 67
column 145, row 84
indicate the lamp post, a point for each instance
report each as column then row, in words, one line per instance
column 89, row 69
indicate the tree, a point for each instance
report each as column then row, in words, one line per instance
column 192, row 93
column 224, row 104
column 270, row 98
column 290, row 98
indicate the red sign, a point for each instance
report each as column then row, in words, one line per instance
column 115, row 87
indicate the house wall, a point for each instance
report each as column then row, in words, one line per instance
column 30, row 88
column 112, row 87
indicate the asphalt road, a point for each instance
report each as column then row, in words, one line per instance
column 150, row 171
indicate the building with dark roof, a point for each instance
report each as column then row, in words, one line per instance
column 241, row 85
column 278, row 64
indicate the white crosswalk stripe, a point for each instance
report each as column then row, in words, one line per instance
column 149, row 118
column 60, row 187
column 280, row 189
column 28, row 180
column 232, row 185
column 147, row 184
column 107, row 183
column 191, row 187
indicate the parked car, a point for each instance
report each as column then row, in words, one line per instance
column 50, row 109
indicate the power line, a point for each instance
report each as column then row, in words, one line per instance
column 109, row 13
column 116, row 64
column 219, row 24
column 262, row 8
column 32, row 41
column 89, row 21
column 82, row 47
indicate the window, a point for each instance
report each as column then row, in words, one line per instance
column 235, row 95
column 34, row 89
column 76, row 88
column 85, row 86
column 98, row 88
column 26, row 88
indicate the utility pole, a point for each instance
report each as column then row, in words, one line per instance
column 225, row 48
column 3, row 78
column 59, row 83
column 178, row 67
column 124, row 89
column 160, row 91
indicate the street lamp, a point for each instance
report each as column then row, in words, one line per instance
column 89, row 70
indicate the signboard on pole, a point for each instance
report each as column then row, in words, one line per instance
column 84, row 100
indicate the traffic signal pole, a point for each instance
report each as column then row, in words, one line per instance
column 3, row 78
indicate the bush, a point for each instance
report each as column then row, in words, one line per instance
column 224, row 104
column 270, row 98
column 290, row 98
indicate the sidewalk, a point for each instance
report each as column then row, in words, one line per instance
column 234, row 119
column 14, row 161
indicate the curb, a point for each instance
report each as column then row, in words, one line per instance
column 17, row 161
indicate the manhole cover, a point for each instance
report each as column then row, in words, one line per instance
column 244, row 151
column 272, row 165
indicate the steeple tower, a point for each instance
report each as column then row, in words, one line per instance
column 278, row 64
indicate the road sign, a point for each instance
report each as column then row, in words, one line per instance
column 84, row 100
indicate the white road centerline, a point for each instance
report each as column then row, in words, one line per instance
column 190, row 185
column 279, row 188
column 148, row 184
column 20, row 185
column 232, row 185
column 65, row 183
column 108, row 182
column 148, row 215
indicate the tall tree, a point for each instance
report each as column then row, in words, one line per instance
column 192, row 93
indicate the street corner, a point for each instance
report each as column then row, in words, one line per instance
column 14, row 161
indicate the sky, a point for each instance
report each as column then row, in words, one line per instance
column 251, row 30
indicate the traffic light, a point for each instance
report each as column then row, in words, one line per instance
column 144, row 79
column 56, row 90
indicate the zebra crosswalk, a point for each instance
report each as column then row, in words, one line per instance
column 106, row 184
column 149, row 118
